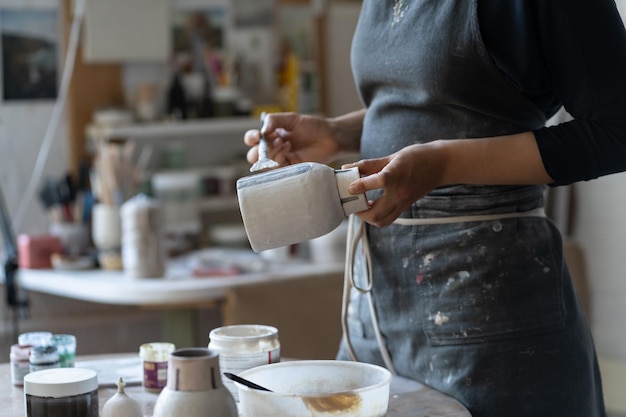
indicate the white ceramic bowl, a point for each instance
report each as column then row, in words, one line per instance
column 317, row 387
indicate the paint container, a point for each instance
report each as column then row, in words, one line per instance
column 35, row 252
column 296, row 203
column 66, row 346
column 244, row 346
column 20, row 365
column 61, row 392
column 44, row 357
column 155, row 357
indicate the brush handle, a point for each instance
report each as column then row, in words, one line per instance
column 245, row 382
column 263, row 141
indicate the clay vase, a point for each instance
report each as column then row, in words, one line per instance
column 194, row 387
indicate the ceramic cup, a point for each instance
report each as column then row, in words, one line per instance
column 106, row 231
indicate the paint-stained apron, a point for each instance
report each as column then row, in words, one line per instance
column 484, row 311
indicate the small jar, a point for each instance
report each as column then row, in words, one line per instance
column 155, row 357
column 66, row 346
column 61, row 392
column 20, row 365
column 44, row 357
column 244, row 346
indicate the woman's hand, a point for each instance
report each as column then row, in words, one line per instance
column 405, row 177
column 294, row 138
column 414, row 171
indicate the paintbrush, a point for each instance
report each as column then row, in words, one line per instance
column 263, row 163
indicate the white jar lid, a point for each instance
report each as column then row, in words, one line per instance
column 237, row 332
column 60, row 382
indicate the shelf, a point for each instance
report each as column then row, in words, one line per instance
column 175, row 129
column 212, row 204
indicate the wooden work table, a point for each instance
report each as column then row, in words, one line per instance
column 407, row 398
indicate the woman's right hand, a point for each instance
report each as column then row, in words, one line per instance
column 294, row 138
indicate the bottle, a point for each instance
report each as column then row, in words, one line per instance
column 296, row 203
column 177, row 99
column 143, row 253
column 20, row 365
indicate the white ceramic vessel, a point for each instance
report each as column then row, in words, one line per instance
column 194, row 387
column 296, row 203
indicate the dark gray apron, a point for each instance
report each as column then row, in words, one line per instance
column 484, row 311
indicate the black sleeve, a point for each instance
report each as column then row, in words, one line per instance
column 575, row 52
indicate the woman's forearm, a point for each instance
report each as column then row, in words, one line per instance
column 513, row 159
column 347, row 130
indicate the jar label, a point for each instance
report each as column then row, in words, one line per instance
column 154, row 375
column 19, row 369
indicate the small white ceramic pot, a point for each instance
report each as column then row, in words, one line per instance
column 194, row 387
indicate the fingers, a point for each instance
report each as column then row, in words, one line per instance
column 382, row 212
column 275, row 128
column 252, row 137
column 275, row 121
column 373, row 175
column 390, row 205
column 278, row 150
column 364, row 184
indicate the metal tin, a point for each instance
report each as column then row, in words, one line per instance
column 242, row 347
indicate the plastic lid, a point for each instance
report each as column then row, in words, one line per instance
column 60, row 382
column 243, row 331
column 35, row 338
column 156, row 351
column 350, row 203
column 21, row 351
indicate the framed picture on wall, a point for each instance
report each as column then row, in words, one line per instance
column 29, row 53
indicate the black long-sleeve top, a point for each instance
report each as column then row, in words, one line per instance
column 570, row 53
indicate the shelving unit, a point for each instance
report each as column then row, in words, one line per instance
column 174, row 129
column 209, row 141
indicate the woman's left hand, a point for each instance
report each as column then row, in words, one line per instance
column 414, row 171
column 405, row 177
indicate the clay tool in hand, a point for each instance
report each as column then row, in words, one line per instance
column 245, row 382
column 263, row 162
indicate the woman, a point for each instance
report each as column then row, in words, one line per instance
column 471, row 294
